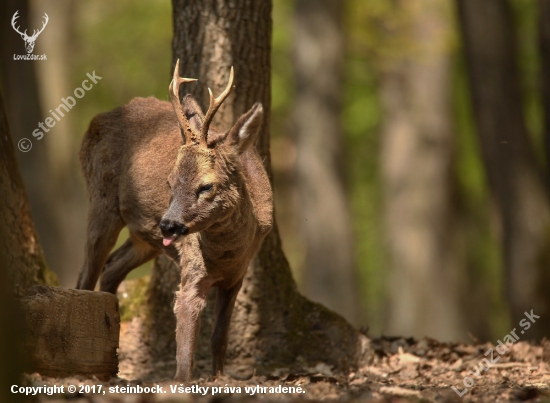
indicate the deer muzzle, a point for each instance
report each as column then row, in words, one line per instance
column 171, row 230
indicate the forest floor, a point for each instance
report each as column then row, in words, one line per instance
column 402, row 370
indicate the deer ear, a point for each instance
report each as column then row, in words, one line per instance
column 192, row 112
column 245, row 132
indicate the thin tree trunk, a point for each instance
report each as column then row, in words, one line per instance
column 329, row 273
column 514, row 177
column 273, row 326
column 61, row 144
column 418, row 183
column 544, row 46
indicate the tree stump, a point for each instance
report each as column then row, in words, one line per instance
column 71, row 332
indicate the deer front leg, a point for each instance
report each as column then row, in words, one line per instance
column 225, row 301
column 190, row 301
column 131, row 254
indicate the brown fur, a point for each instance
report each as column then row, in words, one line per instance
column 127, row 156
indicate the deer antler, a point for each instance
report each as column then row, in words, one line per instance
column 176, row 103
column 213, row 108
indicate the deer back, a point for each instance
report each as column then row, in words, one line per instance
column 128, row 154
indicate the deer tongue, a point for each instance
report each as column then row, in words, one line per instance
column 167, row 241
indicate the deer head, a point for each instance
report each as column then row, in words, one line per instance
column 206, row 184
column 29, row 40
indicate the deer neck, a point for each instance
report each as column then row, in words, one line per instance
column 227, row 234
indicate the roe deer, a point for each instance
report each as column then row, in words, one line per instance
column 183, row 188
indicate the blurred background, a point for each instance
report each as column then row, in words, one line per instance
column 408, row 147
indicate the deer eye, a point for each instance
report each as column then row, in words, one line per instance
column 168, row 183
column 206, row 188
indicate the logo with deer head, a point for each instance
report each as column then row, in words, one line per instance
column 29, row 40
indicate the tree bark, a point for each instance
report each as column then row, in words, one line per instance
column 273, row 326
column 417, row 174
column 514, row 177
column 329, row 273
column 11, row 343
column 24, row 257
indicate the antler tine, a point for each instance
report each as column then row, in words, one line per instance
column 13, row 22
column 176, row 103
column 213, row 108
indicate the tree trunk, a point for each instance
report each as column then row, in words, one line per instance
column 273, row 326
column 329, row 273
column 24, row 256
column 417, row 173
column 514, row 177
column 11, row 346
column 69, row 204
column 11, row 343
column 23, row 110
column 21, row 261
column 544, row 46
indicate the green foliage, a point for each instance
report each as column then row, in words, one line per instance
column 128, row 44
column 384, row 31
column 526, row 20
column 374, row 28
column 281, row 78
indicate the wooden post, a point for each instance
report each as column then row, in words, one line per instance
column 71, row 332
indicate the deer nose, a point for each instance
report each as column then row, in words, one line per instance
column 172, row 229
